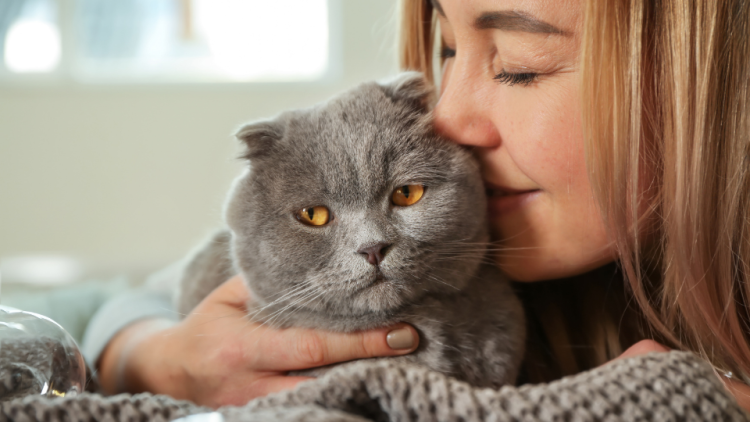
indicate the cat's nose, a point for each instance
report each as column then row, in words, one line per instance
column 375, row 252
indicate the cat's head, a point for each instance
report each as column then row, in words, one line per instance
column 356, row 205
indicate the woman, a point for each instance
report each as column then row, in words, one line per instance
column 608, row 131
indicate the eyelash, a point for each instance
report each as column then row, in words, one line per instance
column 447, row 53
column 525, row 78
column 511, row 79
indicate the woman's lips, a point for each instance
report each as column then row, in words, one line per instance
column 502, row 200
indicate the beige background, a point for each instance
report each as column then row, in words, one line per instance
column 128, row 178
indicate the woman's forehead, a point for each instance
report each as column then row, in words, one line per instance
column 553, row 17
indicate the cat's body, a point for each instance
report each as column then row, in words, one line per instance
column 403, row 239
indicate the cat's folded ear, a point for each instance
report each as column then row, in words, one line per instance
column 411, row 88
column 259, row 138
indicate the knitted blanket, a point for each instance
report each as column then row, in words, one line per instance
column 675, row 386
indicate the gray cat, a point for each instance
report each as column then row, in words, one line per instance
column 354, row 214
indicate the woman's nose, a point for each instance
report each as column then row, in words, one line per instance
column 463, row 112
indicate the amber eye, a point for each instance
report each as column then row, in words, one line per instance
column 314, row 216
column 407, row 195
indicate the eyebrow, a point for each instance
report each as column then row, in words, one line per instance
column 515, row 21
column 509, row 21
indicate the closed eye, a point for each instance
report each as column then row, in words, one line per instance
column 525, row 78
column 447, row 53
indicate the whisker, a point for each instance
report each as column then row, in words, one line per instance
column 273, row 315
column 300, row 291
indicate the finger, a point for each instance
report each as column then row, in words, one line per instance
column 643, row 347
column 227, row 302
column 232, row 292
column 296, row 348
column 276, row 384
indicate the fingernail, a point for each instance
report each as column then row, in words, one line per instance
column 400, row 339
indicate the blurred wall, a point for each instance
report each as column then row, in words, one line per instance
column 129, row 178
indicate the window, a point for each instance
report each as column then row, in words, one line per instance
column 31, row 36
column 167, row 40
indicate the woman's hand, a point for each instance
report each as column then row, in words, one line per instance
column 216, row 356
column 643, row 347
column 741, row 391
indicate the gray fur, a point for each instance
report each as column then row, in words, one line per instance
column 349, row 154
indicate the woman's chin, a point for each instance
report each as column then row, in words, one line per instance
column 540, row 268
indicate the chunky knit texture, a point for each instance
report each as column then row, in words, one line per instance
column 675, row 386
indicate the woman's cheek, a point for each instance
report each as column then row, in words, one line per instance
column 550, row 145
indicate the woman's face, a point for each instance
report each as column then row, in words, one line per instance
column 510, row 90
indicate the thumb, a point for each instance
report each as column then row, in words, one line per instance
column 298, row 348
column 233, row 292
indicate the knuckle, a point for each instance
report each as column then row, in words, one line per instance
column 228, row 355
column 311, row 350
column 366, row 347
column 646, row 346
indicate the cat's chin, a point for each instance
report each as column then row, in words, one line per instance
column 379, row 294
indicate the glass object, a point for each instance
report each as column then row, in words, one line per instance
column 37, row 356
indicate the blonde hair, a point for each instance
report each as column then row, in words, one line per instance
column 417, row 36
column 666, row 124
column 669, row 85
